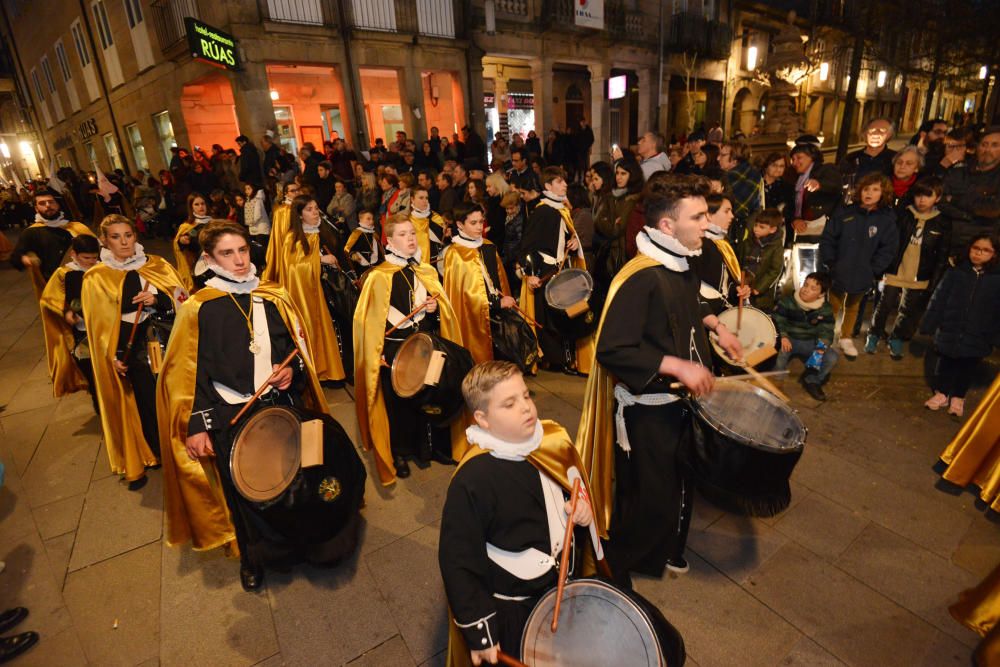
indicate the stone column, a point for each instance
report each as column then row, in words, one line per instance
column 541, row 87
column 252, row 98
column 411, row 94
column 471, row 82
column 600, row 111
column 647, row 90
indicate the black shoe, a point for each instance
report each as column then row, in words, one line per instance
column 423, row 464
column 402, row 467
column 11, row 647
column 815, row 390
column 137, row 484
column 444, row 459
column 251, row 577
column 11, row 618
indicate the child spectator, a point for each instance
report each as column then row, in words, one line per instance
column 857, row 246
column 963, row 318
column 762, row 253
column 923, row 249
column 805, row 322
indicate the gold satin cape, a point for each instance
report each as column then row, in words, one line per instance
column 281, row 221
column 729, row 258
column 595, row 438
column 555, row 456
column 35, row 272
column 466, row 289
column 978, row 609
column 301, row 275
column 369, row 341
column 423, row 228
column 65, row 374
column 585, row 349
column 128, row 451
column 973, row 457
column 193, row 500
column 184, row 268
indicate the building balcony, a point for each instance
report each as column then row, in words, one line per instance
column 692, row 33
column 301, row 12
column 431, row 18
column 168, row 19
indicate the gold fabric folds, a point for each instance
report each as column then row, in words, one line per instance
column 973, row 457
column 729, row 258
column 193, row 500
column 595, row 438
column 423, row 228
column 128, row 451
column 281, row 221
column 369, row 341
column 184, row 268
column 65, row 374
column 466, row 289
column 978, row 609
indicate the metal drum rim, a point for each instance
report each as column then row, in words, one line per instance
column 712, row 421
column 715, row 343
column 571, row 271
column 392, row 371
column 258, row 416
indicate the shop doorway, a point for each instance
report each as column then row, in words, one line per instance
column 209, row 112
column 383, row 103
column 307, row 100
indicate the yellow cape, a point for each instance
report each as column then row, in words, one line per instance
column 555, row 456
column 466, row 289
column 584, row 346
column 193, row 500
column 423, row 228
column 302, row 276
column 973, row 457
column 35, row 272
column 65, row 374
column 595, row 439
column 128, row 451
column 369, row 341
column 184, row 267
column 729, row 258
column 978, row 609
column 281, row 221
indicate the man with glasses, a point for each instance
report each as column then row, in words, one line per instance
column 876, row 156
column 956, row 150
column 522, row 176
column 972, row 192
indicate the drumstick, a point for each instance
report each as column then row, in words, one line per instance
column 400, row 323
column 135, row 323
column 261, row 389
column 739, row 304
column 759, row 378
column 728, row 378
column 533, row 323
column 509, row 660
column 564, row 563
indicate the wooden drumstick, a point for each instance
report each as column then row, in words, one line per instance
column 533, row 323
column 509, row 660
column 261, row 389
column 759, row 378
column 733, row 378
column 135, row 324
column 408, row 317
column 564, row 562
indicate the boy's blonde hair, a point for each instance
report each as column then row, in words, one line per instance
column 396, row 220
column 479, row 383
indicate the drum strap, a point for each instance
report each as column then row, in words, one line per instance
column 627, row 399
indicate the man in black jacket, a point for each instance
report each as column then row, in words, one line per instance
column 250, row 164
column 972, row 193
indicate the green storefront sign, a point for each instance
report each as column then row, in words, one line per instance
column 211, row 45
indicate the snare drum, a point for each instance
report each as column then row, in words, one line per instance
column 429, row 370
column 745, row 445
column 569, row 294
column 756, row 331
column 600, row 625
column 81, row 351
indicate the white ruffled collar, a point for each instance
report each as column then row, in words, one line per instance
column 715, row 233
column 394, row 257
column 134, row 262
column 665, row 249
column 71, row 265
column 201, row 220
column 366, row 230
column 310, row 229
column 553, row 200
column 59, row 222
column 227, row 281
column 466, row 242
column 509, row 451
column 416, row 213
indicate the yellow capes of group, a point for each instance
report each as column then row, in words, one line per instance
column 184, row 267
column 584, row 346
column 595, row 439
column 301, row 276
column 102, row 288
column 195, row 507
column 369, row 341
column 978, row 609
column 65, row 374
column 466, row 289
column 973, row 457
column 281, row 221
column 425, row 227
column 555, row 456
column 35, row 273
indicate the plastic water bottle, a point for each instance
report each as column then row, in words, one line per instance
column 815, row 359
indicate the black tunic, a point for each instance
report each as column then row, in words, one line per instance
column 711, row 269
column 49, row 243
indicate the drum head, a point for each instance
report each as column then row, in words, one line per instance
column 756, row 329
column 598, row 626
column 569, row 287
column 753, row 417
column 409, row 368
column 266, row 454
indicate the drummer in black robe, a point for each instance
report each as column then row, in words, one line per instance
column 238, row 330
column 42, row 247
column 718, row 266
column 363, row 246
column 652, row 333
column 504, row 518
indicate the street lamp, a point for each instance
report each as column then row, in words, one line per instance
column 824, row 71
column 982, row 72
column 274, row 95
column 880, row 81
column 751, row 58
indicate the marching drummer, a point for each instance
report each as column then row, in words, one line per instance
column 429, row 225
column 504, row 518
column 186, row 250
column 652, row 333
column 475, row 281
column 550, row 242
column 401, row 296
column 236, row 332
column 718, row 265
column 364, row 247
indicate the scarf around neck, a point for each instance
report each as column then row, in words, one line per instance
column 618, row 192
column 665, row 249
column 133, row 263
column 59, row 222
column 227, row 281
column 900, row 188
column 554, row 200
column 923, row 217
column 509, row 451
column 810, row 305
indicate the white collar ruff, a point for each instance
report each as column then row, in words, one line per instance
column 665, row 249
column 58, row 223
column 136, row 261
column 394, row 257
column 553, row 200
column 715, row 232
column 466, row 242
column 73, row 266
column 509, row 451
column 416, row 213
column 227, row 281
column 310, row 229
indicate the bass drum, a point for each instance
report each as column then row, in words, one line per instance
column 441, row 400
column 311, row 511
column 569, row 294
column 514, row 340
column 341, row 296
column 600, row 625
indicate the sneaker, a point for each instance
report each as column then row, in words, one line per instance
column 871, row 344
column 847, row 345
column 936, row 402
column 896, row 348
column 815, row 389
column 678, row 565
column 957, row 407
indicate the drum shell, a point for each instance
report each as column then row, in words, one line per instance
column 442, row 403
column 514, row 339
column 583, row 324
column 765, row 334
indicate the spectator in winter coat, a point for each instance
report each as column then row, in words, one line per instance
column 805, row 322
column 817, row 186
column 744, row 184
column 858, row 244
column 972, row 193
column 762, row 257
column 250, row 164
column 876, row 156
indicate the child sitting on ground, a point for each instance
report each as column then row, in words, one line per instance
column 805, row 322
column 502, row 525
column 762, row 256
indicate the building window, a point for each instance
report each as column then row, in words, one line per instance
column 63, row 61
column 135, row 143
column 47, row 71
column 61, row 160
column 91, row 153
column 112, row 149
column 103, row 26
column 165, row 133
column 81, row 45
column 133, row 11
column 37, row 84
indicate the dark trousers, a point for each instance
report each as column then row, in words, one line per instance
column 653, row 498
column 911, row 304
column 558, row 351
column 410, row 434
column 953, row 375
column 143, row 387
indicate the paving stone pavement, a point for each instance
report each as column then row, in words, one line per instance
column 859, row 570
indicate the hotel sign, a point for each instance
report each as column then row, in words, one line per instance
column 589, row 13
column 211, row 45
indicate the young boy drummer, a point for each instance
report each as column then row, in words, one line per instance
column 395, row 427
column 475, row 281
column 505, row 515
column 364, row 247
